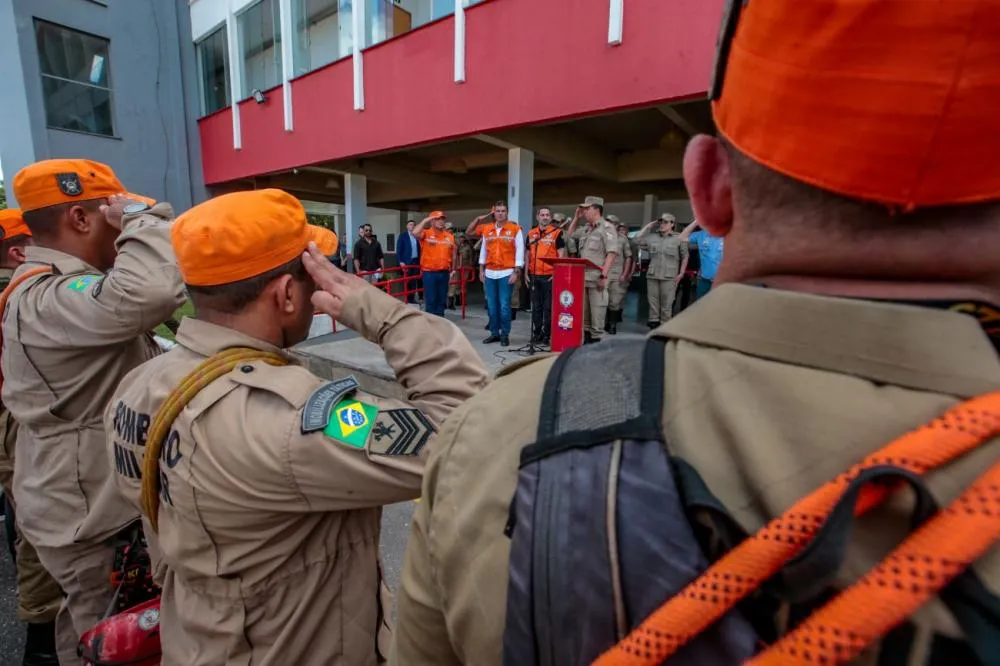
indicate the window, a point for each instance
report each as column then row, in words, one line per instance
column 213, row 65
column 260, row 37
column 76, row 81
column 317, row 33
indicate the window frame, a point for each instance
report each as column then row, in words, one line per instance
column 109, row 88
column 199, row 64
column 245, row 89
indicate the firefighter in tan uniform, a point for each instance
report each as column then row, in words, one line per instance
column 619, row 277
column 598, row 244
column 39, row 595
column 668, row 259
column 270, row 479
column 70, row 333
column 799, row 363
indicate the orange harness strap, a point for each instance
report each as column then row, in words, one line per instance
column 14, row 284
column 740, row 571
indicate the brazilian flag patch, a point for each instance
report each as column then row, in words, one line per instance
column 81, row 283
column 350, row 422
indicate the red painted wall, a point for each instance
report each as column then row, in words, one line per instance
column 527, row 61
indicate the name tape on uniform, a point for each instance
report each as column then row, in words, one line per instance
column 319, row 407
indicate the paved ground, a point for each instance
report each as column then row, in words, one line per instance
column 11, row 630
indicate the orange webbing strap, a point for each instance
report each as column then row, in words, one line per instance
column 930, row 558
column 740, row 571
column 207, row 372
column 14, row 284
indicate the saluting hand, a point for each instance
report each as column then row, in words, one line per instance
column 114, row 209
column 333, row 286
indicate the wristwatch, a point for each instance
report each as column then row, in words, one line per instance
column 135, row 208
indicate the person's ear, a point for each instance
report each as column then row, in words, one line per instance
column 284, row 294
column 707, row 177
column 16, row 254
column 78, row 220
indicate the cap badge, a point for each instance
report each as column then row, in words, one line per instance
column 69, row 184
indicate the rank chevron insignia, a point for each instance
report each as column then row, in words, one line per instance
column 400, row 432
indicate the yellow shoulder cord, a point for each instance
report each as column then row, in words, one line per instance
column 207, row 372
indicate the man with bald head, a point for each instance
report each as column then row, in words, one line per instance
column 855, row 182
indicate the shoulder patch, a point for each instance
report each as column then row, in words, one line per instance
column 400, row 432
column 351, row 422
column 319, row 407
column 81, row 283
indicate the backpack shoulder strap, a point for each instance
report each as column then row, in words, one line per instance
column 599, row 532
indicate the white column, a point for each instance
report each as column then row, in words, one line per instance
column 615, row 21
column 287, row 59
column 520, row 186
column 235, row 73
column 648, row 209
column 358, row 42
column 459, row 41
column 356, row 207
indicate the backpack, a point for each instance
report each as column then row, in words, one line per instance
column 621, row 554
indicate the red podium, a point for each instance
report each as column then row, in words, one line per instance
column 568, row 293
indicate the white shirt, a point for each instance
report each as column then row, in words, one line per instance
column 518, row 255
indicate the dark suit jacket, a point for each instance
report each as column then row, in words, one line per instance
column 404, row 253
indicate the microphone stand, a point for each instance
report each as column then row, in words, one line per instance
column 531, row 349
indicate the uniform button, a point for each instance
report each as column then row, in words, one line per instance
column 247, row 369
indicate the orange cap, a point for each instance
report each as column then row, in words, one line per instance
column 12, row 224
column 438, row 215
column 53, row 182
column 325, row 239
column 237, row 236
column 892, row 101
column 138, row 197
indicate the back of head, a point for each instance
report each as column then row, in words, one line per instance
column 14, row 235
column 240, row 255
column 853, row 130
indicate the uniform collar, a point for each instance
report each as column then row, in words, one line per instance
column 62, row 263
column 902, row 345
column 208, row 339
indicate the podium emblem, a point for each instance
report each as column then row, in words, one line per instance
column 566, row 298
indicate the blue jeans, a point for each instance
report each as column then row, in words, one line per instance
column 435, row 292
column 703, row 287
column 498, row 305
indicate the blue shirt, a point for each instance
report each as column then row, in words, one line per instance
column 709, row 253
column 413, row 243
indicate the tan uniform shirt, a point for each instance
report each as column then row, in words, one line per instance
column 624, row 253
column 770, row 394
column 666, row 254
column 596, row 244
column 69, row 338
column 269, row 536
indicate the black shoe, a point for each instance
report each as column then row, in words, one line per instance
column 587, row 338
column 40, row 645
column 505, row 341
column 490, row 340
column 513, row 315
column 653, row 324
column 613, row 329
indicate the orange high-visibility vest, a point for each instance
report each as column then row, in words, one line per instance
column 542, row 245
column 436, row 250
column 501, row 246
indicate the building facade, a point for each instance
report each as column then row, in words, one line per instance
column 371, row 109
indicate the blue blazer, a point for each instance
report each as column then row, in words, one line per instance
column 404, row 253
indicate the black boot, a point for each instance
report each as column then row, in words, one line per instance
column 40, row 645
column 614, row 316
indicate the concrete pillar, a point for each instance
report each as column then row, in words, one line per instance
column 355, row 207
column 649, row 203
column 521, row 186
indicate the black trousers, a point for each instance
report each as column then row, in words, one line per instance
column 541, row 307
